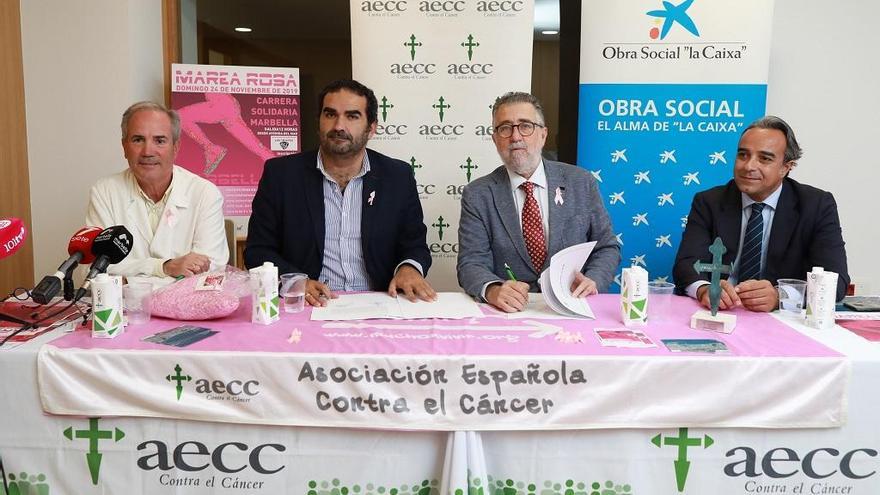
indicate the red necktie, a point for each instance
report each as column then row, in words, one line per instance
column 533, row 227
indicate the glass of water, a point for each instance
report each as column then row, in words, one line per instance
column 137, row 299
column 293, row 291
column 791, row 295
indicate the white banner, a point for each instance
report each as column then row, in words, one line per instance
column 436, row 68
column 446, row 392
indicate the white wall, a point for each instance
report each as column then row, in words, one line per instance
column 83, row 66
column 824, row 73
column 84, row 63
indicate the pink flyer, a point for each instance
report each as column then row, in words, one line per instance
column 233, row 119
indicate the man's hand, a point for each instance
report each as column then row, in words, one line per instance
column 187, row 265
column 509, row 296
column 583, row 286
column 729, row 296
column 758, row 295
column 413, row 285
column 318, row 293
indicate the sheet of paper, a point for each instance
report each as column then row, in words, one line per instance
column 556, row 281
column 856, row 315
column 357, row 307
column 450, row 305
column 379, row 305
column 537, row 308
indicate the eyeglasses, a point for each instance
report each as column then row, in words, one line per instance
column 526, row 128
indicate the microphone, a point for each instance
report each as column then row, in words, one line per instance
column 80, row 250
column 111, row 246
column 12, row 234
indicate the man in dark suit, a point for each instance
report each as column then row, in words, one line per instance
column 526, row 211
column 773, row 226
column 348, row 217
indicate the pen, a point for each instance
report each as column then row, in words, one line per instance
column 509, row 272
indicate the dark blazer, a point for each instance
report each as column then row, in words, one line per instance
column 287, row 223
column 489, row 233
column 805, row 233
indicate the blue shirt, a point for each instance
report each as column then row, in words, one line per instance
column 343, row 264
column 768, row 213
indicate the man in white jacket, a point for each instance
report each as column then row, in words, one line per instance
column 175, row 216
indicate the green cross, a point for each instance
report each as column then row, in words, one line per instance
column 385, row 106
column 179, row 378
column 682, row 441
column 440, row 225
column 716, row 269
column 93, row 434
column 412, row 46
column 470, row 46
column 468, row 167
column 414, row 164
column 441, row 105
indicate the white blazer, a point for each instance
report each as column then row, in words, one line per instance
column 191, row 222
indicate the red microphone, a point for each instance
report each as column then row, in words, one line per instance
column 80, row 250
column 82, row 241
column 12, row 235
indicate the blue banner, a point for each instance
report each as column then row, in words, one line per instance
column 651, row 147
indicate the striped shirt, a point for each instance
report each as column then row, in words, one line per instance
column 344, row 268
column 767, row 213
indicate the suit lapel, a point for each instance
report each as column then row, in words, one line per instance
column 558, row 213
column 370, row 209
column 175, row 209
column 731, row 222
column 785, row 218
column 503, row 199
column 139, row 218
column 314, row 188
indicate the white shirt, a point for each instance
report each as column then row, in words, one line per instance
column 539, row 179
column 191, row 221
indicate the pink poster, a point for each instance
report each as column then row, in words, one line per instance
column 233, row 119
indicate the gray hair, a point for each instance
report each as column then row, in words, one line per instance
column 519, row 97
column 793, row 150
column 154, row 107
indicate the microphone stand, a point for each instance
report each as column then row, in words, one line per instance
column 68, row 283
column 3, row 474
column 9, row 318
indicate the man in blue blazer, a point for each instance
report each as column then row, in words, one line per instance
column 793, row 226
column 348, row 217
column 526, row 211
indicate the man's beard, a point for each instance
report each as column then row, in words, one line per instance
column 523, row 164
column 348, row 147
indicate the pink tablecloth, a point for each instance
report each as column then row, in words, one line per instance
column 756, row 334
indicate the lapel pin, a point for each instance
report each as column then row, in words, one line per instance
column 371, row 198
column 558, row 200
column 170, row 215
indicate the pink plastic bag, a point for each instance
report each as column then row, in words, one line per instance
column 202, row 297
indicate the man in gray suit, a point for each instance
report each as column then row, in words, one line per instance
column 505, row 215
